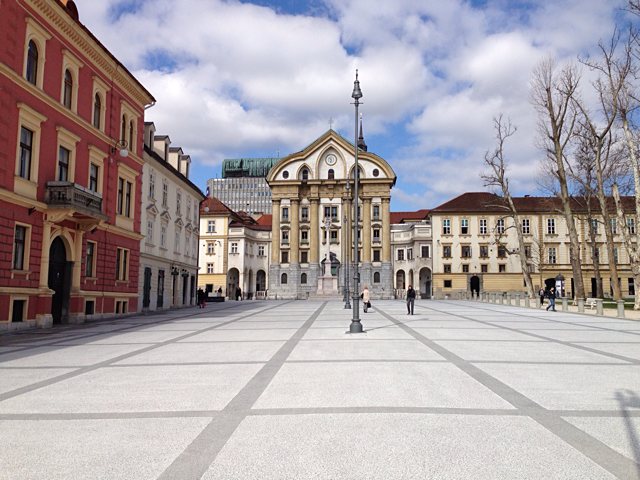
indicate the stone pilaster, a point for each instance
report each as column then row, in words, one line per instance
column 294, row 235
column 314, row 244
column 386, row 231
column 366, row 230
column 275, row 232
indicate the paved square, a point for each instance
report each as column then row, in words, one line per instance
column 279, row 390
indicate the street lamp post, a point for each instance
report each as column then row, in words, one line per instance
column 356, row 326
column 347, row 304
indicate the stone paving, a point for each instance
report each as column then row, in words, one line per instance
column 279, row 390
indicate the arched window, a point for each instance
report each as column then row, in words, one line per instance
column 283, row 279
column 332, row 174
column 123, row 128
column 305, row 174
column 68, row 89
column 131, row 133
column 97, row 109
column 376, row 277
column 32, row 63
column 303, row 279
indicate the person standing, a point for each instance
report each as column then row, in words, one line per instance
column 541, row 293
column 201, row 298
column 411, row 299
column 366, row 297
column 552, row 299
column 238, row 294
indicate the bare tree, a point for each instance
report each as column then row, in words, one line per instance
column 553, row 95
column 497, row 177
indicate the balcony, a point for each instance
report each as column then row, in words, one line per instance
column 71, row 196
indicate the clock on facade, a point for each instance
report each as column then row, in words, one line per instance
column 331, row 159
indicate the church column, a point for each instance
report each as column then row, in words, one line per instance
column 275, row 232
column 386, row 231
column 315, row 225
column 294, row 234
column 366, row 231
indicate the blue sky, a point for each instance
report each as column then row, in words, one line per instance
column 260, row 78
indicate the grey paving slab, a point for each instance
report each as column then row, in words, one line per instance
column 365, row 349
column 226, row 335
column 93, row 449
column 72, row 356
column 522, row 352
column 396, row 446
column 129, row 337
column 340, row 333
column 10, row 378
column 621, row 434
column 250, row 325
column 137, row 389
column 569, row 386
column 207, row 352
column 631, row 350
column 375, row 384
column 480, row 333
column 588, row 336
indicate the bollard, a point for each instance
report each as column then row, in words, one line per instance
column 501, row 298
column 599, row 306
column 620, row 308
column 517, row 299
column 581, row 305
column 565, row 304
column 527, row 302
column 507, row 298
column 538, row 304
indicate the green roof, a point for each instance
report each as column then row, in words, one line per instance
column 247, row 167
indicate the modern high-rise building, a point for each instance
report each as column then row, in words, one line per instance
column 243, row 186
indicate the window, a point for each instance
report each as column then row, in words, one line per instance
column 376, row 277
column 447, row 284
column 376, row 212
column 332, row 212
column 89, row 307
column 149, row 238
column 466, row 251
column 500, row 226
column 446, row 268
column 334, row 236
column 631, row 286
column 615, row 254
column 176, row 240
column 261, row 250
column 90, row 260
column 551, row 255
column 179, row 204
column 484, row 251
column 304, row 236
column 594, row 226
column 152, row 184
column 446, row 226
column 285, row 236
column 18, row 310
column 527, row 251
column 409, row 253
column 210, row 248
column 284, row 257
column 163, row 236
column 303, row 278
column 551, row 226
column 210, row 269
column 63, row 164
column 122, row 264
column 31, row 73
column 484, row 268
column 376, row 234
column 502, row 268
column 283, row 278
column 124, row 197
column 304, row 214
column 631, row 225
column 483, row 226
column 464, row 226
column 304, row 257
column 19, row 247
column 305, row 174
column 165, row 194
column 94, row 171
column 614, row 225
column 234, row 247
column 331, row 174
column 67, row 89
column 400, row 254
column 97, row 110
column 376, row 254
column 211, row 226
column 502, row 251
column 26, row 150
column 285, row 214
column 446, row 251
column 424, row 251
column 132, row 130
column 285, row 174
column 465, row 268
column 526, row 226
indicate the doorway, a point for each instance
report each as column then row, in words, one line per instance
column 146, row 289
column 59, row 280
column 474, row 284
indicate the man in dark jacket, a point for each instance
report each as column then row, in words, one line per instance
column 411, row 298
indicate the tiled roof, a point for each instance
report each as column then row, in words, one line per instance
column 478, row 202
column 213, row 206
column 265, row 220
column 407, row 217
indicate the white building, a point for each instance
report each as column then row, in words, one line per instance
column 169, row 223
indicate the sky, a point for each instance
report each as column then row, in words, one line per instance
column 266, row 78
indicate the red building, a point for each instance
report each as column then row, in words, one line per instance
column 71, row 142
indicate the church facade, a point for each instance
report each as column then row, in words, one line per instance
column 312, row 230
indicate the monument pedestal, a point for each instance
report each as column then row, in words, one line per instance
column 327, row 285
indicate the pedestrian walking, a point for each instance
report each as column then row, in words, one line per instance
column 201, row 298
column 411, row 299
column 541, row 293
column 552, row 299
column 238, row 294
column 366, row 298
